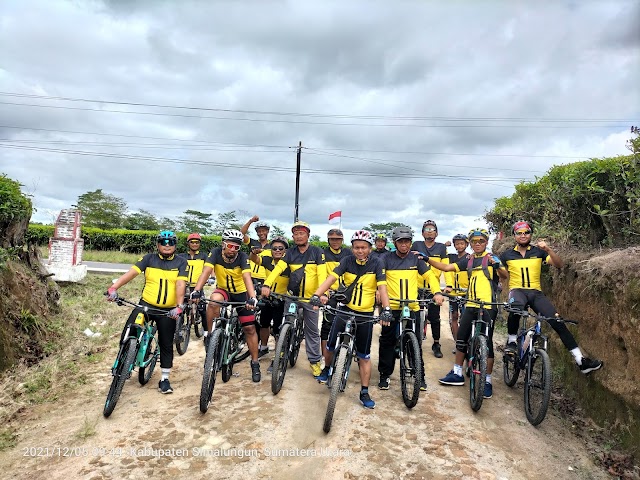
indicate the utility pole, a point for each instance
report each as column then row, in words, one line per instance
column 295, row 212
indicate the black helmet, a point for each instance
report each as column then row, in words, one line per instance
column 280, row 239
column 399, row 233
column 460, row 236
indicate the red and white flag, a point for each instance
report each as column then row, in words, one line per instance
column 335, row 217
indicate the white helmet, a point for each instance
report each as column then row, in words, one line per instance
column 363, row 235
column 235, row 236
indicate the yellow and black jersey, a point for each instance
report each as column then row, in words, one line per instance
column 524, row 272
column 457, row 280
column 438, row 252
column 403, row 276
column 315, row 271
column 257, row 271
column 195, row 265
column 281, row 283
column 160, row 277
column 332, row 259
column 375, row 253
column 479, row 285
column 229, row 275
column 363, row 297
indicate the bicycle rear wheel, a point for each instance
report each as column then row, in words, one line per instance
column 281, row 358
column 537, row 386
column 297, row 341
column 478, row 371
column 510, row 368
column 121, row 372
column 183, row 332
column 150, row 359
column 211, row 367
column 410, row 369
column 336, row 382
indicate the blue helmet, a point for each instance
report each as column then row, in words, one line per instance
column 166, row 235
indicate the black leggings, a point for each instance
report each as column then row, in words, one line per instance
column 166, row 331
column 521, row 298
column 388, row 339
column 464, row 330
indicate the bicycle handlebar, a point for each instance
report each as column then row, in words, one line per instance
column 223, row 303
column 526, row 313
column 120, row 301
column 336, row 311
column 283, row 296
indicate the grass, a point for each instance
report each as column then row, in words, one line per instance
column 88, row 428
column 8, row 439
column 109, row 256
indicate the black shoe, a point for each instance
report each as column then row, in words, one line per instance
column 164, row 386
column 436, row 350
column 588, row 365
column 255, row 371
column 511, row 348
column 384, row 382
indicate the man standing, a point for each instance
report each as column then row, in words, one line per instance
column 381, row 246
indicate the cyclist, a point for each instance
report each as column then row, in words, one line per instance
column 165, row 276
column 524, row 264
column 483, row 284
column 272, row 310
column 369, row 275
column 231, row 267
column 195, row 259
column 429, row 248
column 457, row 281
column 403, row 274
column 335, row 252
column 381, row 246
column 307, row 267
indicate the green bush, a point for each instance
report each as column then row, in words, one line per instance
column 14, row 206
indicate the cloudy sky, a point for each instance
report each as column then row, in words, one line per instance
column 406, row 110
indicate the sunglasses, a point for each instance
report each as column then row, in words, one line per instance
column 430, row 229
column 234, row 247
column 167, row 242
column 277, row 249
column 335, row 238
column 526, row 232
column 478, row 242
column 194, row 241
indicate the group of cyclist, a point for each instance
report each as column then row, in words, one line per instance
column 367, row 272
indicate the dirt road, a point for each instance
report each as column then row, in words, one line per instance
column 250, row 433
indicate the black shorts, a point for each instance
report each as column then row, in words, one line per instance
column 364, row 332
column 245, row 316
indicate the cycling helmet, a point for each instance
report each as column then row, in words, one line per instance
column 280, row 239
column 478, row 232
column 362, row 235
column 381, row 236
column 430, row 222
column 335, row 231
column 300, row 224
column 460, row 236
column 262, row 225
column 400, row 233
column 166, row 235
column 235, row 236
column 194, row 236
column 521, row 225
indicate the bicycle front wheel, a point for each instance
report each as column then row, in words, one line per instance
column 183, row 332
column 341, row 364
column 121, row 372
column 211, row 367
column 410, row 369
column 478, row 374
column 150, row 359
column 510, row 368
column 537, row 386
column 297, row 341
column 281, row 358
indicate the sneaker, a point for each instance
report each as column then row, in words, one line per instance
column 255, row 371
column 436, row 350
column 366, row 400
column 452, row 379
column 511, row 348
column 270, row 368
column 488, row 390
column 324, row 375
column 316, row 369
column 164, row 386
column 589, row 365
column 384, row 382
column 423, row 385
column 262, row 352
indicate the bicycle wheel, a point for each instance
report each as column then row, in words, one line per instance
column 510, row 368
column 336, row 384
column 198, row 324
column 537, row 386
column 297, row 339
column 183, row 332
column 410, row 369
column 150, row 359
column 227, row 371
column 478, row 371
column 121, row 372
column 211, row 367
column 281, row 358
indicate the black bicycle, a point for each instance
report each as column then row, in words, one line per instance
column 289, row 340
column 192, row 316
column 226, row 346
column 139, row 347
column 532, row 358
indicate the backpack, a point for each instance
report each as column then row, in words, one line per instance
column 485, row 269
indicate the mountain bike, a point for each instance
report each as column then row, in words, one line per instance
column 343, row 355
column 408, row 347
column 289, row 340
column 532, row 358
column 191, row 316
column 226, row 346
column 138, row 348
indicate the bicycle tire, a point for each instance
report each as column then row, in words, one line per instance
column 211, row 367
column 198, row 324
column 510, row 369
column 227, row 371
column 478, row 377
column 281, row 358
column 537, row 386
column 410, row 369
column 297, row 339
column 151, row 356
column 336, row 383
column 181, row 337
column 126, row 358
column 422, row 328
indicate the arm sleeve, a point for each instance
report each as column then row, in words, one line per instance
column 275, row 273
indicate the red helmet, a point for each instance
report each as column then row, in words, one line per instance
column 194, row 236
column 521, row 225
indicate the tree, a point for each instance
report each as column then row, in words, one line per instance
column 168, row 224
column 314, row 238
column 195, row 221
column 224, row 221
column 276, row 231
column 385, row 228
column 141, row 220
column 102, row 210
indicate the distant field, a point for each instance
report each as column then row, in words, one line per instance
column 101, row 256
